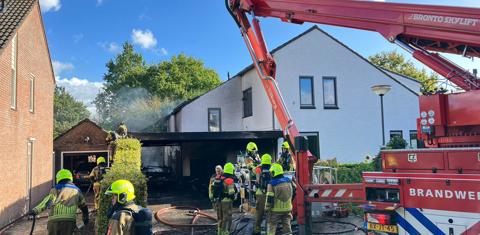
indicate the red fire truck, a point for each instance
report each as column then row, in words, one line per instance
column 435, row 190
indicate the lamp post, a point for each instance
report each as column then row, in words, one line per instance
column 381, row 90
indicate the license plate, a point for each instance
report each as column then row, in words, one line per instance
column 383, row 228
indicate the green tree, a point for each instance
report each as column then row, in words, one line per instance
column 397, row 142
column 396, row 62
column 67, row 111
column 130, row 82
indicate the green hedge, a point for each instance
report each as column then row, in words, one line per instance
column 127, row 161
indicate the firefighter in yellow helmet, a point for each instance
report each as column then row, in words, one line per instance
column 285, row 158
column 120, row 217
column 263, row 179
column 224, row 194
column 279, row 201
column 63, row 201
column 96, row 176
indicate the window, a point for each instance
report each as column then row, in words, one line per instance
column 214, row 120
column 247, row 103
column 307, row 100
column 32, row 94
column 396, row 133
column 30, row 151
column 13, row 84
column 330, row 93
column 413, row 139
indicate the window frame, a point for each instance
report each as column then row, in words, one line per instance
column 14, row 79
column 398, row 131
column 330, row 106
column 415, row 132
column 31, row 101
column 219, row 119
column 251, row 102
column 312, row 84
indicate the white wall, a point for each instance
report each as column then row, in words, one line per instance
column 354, row 130
column 348, row 133
column 227, row 97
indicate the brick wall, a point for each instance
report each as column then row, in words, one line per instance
column 74, row 140
column 19, row 125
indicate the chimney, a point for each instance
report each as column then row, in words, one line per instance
column 228, row 75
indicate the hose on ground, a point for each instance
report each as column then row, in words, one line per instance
column 354, row 229
column 195, row 212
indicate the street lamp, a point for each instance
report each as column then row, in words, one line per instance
column 381, row 90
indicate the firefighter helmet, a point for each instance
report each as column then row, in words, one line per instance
column 64, row 174
column 123, row 189
column 251, row 147
column 228, row 168
column 100, row 160
column 285, row 145
column 276, row 169
column 266, row 159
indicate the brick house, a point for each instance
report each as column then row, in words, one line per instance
column 73, row 147
column 26, row 109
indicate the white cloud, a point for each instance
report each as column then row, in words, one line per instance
column 82, row 90
column 144, row 38
column 164, row 51
column 112, row 47
column 50, row 5
column 59, row 67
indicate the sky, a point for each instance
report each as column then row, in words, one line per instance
column 83, row 35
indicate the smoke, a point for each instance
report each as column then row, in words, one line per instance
column 142, row 111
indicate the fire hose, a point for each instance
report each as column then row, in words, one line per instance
column 195, row 212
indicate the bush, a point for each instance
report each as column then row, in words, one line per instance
column 126, row 165
column 397, row 142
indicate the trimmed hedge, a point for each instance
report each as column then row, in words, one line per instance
column 127, row 161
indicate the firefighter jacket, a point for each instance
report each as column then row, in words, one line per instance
column 263, row 178
column 286, row 161
column 121, row 220
column 228, row 188
column 279, row 195
column 63, row 201
column 97, row 173
column 211, row 185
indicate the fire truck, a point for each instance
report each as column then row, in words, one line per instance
column 434, row 190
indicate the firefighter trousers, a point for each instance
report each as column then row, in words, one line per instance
column 224, row 214
column 96, row 192
column 61, row 227
column 284, row 218
column 259, row 213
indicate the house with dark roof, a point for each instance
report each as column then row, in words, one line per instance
column 26, row 109
column 327, row 88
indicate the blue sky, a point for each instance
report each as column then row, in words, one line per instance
column 84, row 34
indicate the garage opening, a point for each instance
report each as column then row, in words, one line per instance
column 81, row 164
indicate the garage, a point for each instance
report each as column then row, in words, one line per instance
column 78, row 149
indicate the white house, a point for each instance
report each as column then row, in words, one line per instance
column 327, row 88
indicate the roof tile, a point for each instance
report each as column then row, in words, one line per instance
column 12, row 16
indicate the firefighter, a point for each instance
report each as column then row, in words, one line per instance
column 285, row 158
column 122, row 130
column 96, row 176
column 217, row 176
column 279, row 201
column 263, row 178
column 252, row 153
column 120, row 219
column 63, row 201
column 224, row 193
